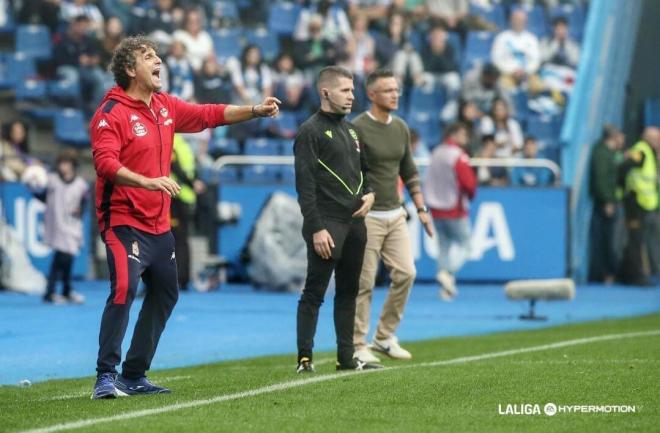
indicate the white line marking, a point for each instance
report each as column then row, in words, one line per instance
column 328, row 377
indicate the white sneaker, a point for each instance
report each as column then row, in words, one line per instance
column 447, row 286
column 75, row 298
column 365, row 355
column 391, row 348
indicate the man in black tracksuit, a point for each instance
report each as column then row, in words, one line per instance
column 334, row 197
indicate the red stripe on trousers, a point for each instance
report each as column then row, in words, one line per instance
column 121, row 266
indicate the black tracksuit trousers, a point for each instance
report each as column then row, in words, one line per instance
column 132, row 254
column 350, row 239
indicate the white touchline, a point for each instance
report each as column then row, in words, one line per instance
column 328, row 377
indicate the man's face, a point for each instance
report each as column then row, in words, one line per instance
column 531, row 149
column 66, row 170
column 340, row 96
column 384, row 93
column 461, row 137
column 561, row 31
column 147, row 70
column 518, row 21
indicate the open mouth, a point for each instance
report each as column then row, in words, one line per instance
column 156, row 73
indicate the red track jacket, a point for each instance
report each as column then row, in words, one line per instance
column 127, row 133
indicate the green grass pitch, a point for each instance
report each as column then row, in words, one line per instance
column 453, row 384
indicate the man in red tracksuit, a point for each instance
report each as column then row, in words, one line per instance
column 449, row 186
column 132, row 133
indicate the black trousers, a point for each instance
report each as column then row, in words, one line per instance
column 180, row 214
column 635, row 261
column 60, row 267
column 133, row 254
column 350, row 240
column 603, row 262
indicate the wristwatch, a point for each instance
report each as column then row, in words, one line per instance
column 422, row 209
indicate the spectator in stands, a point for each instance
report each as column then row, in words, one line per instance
column 641, row 200
column 491, row 175
column 516, row 53
column 372, row 10
column 441, row 66
column 560, row 49
column 179, row 72
column 449, row 186
column 481, row 86
column 530, row 176
column 46, row 12
column 161, row 22
column 470, row 116
column 288, row 83
column 452, row 13
column 65, row 198
column 197, row 41
column 317, row 51
column 392, row 40
column 12, row 164
column 506, row 129
column 112, row 36
column 71, row 9
column 251, row 76
column 15, row 134
column 213, row 83
column 603, row 187
column 77, row 58
column 361, row 46
column 122, row 9
column 335, row 25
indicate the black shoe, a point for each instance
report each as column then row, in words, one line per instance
column 305, row 365
column 357, row 365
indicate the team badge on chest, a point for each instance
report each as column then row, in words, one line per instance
column 139, row 129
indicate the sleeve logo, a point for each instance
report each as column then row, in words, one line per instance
column 102, row 124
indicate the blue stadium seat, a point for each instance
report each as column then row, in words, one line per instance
column 64, row 92
column 287, row 147
column 34, row 41
column 262, row 146
column 575, row 15
column 477, row 49
column 427, row 125
column 652, row 112
column 282, row 18
column 537, row 21
column 16, row 67
column 261, row 173
column 288, row 174
column 520, row 101
column 225, row 9
column 284, row 125
column 30, row 90
column 224, row 146
column 427, row 99
column 229, row 174
column 71, row 128
column 269, row 45
column 454, row 39
column 494, row 14
column 8, row 26
column 227, row 43
column 546, row 129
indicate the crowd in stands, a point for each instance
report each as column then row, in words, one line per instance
column 505, row 68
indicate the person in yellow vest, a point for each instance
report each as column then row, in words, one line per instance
column 640, row 200
column 183, row 205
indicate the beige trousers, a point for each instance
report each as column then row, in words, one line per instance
column 390, row 240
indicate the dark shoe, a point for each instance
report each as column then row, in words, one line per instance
column 138, row 386
column 105, row 386
column 357, row 365
column 305, row 365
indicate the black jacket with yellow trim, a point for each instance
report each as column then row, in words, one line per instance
column 330, row 170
